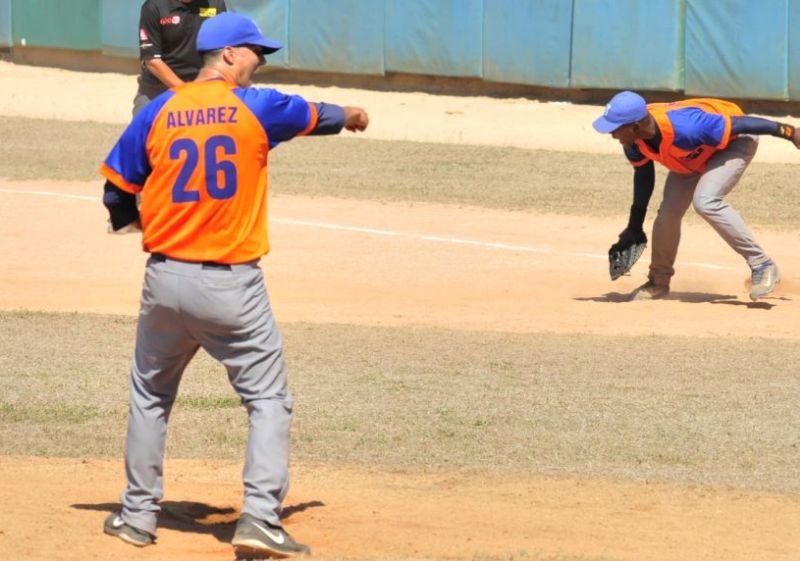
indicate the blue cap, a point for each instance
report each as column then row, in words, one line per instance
column 230, row 29
column 623, row 109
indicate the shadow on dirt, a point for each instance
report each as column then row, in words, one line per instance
column 687, row 297
column 200, row 518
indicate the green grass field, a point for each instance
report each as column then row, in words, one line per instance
column 435, row 399
column 628, row 407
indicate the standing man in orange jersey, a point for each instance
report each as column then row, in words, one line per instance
column 707, row 145
column 198, row 155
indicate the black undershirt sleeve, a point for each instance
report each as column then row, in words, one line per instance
column 644, row 180
column 752, row 125
column 121, row 206
column 745, row 124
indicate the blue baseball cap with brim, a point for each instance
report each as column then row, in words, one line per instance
column 623, row 109
column 230, row 29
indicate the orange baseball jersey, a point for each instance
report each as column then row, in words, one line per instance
column 691, row 132
column 198, row 156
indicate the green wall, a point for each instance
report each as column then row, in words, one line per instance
column 74, row 24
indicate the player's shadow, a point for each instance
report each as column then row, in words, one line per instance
column 200, row 518
column 686, row 297
column 724, row 299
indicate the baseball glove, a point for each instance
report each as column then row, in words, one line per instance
column 624, row 254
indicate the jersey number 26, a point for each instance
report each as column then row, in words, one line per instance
column 188, row 150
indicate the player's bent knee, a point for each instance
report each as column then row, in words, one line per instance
column 708, row 206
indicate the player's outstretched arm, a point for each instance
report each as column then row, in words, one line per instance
column 790, row 133
column 746, row 124
column 332, row 118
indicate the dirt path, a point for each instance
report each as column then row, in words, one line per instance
column 395, row 264
column 358, row 513
column 391, row 264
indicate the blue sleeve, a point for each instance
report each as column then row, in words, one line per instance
column 128, row 157
column 694, row 127
column 330, row 119
column 282, row 116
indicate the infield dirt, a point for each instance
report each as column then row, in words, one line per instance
column 362, row 262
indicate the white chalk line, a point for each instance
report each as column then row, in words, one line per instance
column 397, row 234
column 51, row 194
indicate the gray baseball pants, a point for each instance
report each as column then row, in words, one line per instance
column 139, row 103
column 185, row 306
column 707, row 192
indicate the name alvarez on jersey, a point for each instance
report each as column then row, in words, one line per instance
column 204, row 116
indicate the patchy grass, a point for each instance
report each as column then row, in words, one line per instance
column 628, row 407
column 489, row 176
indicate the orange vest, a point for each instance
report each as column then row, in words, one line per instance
column 687, row 161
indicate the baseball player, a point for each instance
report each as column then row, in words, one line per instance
column 198, row 156
column 167, row 35
column 706, row 144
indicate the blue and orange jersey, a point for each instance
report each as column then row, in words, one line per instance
column 198, row 155
column 690, row 132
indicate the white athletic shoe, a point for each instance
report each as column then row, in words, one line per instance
column 763, row 280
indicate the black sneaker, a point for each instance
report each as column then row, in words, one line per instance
column 256, row 539
column 116, row 526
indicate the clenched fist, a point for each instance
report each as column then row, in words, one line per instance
column 356, row 119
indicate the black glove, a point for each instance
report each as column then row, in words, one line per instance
column 627, row 238
column 624, row 254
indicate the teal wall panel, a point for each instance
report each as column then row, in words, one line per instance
column 73, row 24
column 439, row 37
column 628, row 44
column 272, row 16
column 723, row 48
column 337, row 35
column 793, row 51
column 527, row 42
column 119, row 27
column 5, row 23
column 737, row 48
